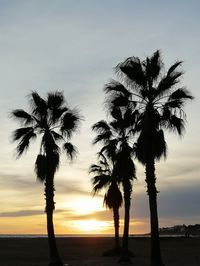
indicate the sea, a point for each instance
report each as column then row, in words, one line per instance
column 87, row 235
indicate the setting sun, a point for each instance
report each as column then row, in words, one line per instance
column 86, row 205
column 91, row 225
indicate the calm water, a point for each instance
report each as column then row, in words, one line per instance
column 82, row 235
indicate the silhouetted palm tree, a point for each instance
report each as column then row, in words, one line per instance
column 54, row 121
column 116, row 138
column 103, row 178
column 160, row 107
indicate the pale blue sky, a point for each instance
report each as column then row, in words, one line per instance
column 73, row 46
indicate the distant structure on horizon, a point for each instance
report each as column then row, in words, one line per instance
column 190, row 230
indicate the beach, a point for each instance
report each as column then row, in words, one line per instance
column 87, row 251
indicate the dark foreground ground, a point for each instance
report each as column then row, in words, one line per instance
column 86, row 251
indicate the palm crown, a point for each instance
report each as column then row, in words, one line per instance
column 103, row 178
column 54, row 121
column 116, row 137
column 158, row 99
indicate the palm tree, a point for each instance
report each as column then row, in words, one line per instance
column 160, row 107
column 116, row 136
column 103, row 178
column 54, row 121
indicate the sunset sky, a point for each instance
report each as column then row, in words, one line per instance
column 73, row 46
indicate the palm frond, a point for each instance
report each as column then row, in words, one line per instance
column 173, row 67
column 97, row 169
column 181, row 93
column 104, row 137
column 38, row 104
column 116, row 87
column 101, row 126
column 94, row 168
column 113, row 197
column 116, row 113
column 100, row 181
column 48, row 143
column 56, row 136
column 153, row 144
column 23, row 116
column 53, row 161
column 70, row 150
column 132, row 68
column 153, row 67
column 21, row 132
column 110, row 149
column 41, row 167
column 177, row 124
column 57, row 113
column 168, row 82
column 55, row 100
column 124, row 166
column 160, row 146
column 24, row 143
column 70, row 122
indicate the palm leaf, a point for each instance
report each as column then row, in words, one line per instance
column 39, row 105
column 101, row 127
column 100, row 181
column 56, row 136
column 132, row 68
column 167, row 83
column 116, row 113
column 105, row 137
column 94, row 168
column 113, row 197
column 116, row 87
column 154, row 66
column 55, row 100
column 21, row 132
column 23, row 116
column 110, row 149
column 48, row 143
column 24, row 143
column 70, row 150
column 173, row 67
column 53, row 161
column 180, row 93
column 70, row 122
column 41, row 167
column 57, row 113
column 176, row 124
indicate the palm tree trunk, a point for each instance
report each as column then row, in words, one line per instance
column 156, row 259
column 50, row 205
column 125, row 256
column 116, row 224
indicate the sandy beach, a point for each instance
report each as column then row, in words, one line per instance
column 86, row 251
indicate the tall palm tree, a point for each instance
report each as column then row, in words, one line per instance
column 160, row 104
column 55, row 122
column 103, row 178
column 116, row 136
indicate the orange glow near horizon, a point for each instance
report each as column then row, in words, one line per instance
column 83, row 215
column 37, row 225
column 91, row 226
column 85, row 205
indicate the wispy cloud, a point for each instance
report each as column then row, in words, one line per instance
column 21, row 213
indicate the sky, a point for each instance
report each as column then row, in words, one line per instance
column 73, row 46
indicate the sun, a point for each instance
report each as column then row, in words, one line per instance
column 86, row 205
column 90, row 226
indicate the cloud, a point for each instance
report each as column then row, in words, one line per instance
column 101, row 215
column 21, row 213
